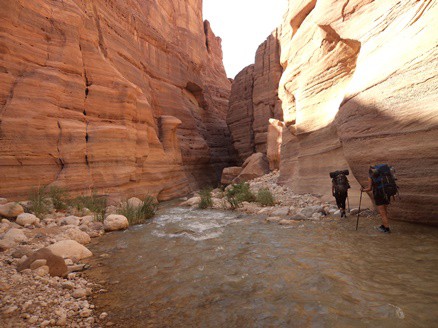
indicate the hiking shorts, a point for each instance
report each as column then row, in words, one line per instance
column 381, row 199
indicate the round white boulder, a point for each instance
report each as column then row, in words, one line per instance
column 115, row 222
column 25, row 219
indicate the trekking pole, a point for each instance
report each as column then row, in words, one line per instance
column 358, row 212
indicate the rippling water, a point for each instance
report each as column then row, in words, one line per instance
column 205, row 268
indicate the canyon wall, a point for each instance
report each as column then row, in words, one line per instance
column 254, row 100
column 359, row 87
column 121, row 97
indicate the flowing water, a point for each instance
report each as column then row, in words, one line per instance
column 206, row 268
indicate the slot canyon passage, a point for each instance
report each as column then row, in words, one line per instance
column 142, row 187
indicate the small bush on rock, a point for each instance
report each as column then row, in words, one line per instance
column 265, row 197
column 239, row 193
column 139, row 214
column 39, row 203
column 206, row 200
column 95, row 203
column 59, row 197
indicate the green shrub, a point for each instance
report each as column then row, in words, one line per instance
column 206, row 200
column 265, row 198
column 139, row 214
column 239, row 193
column 59, row 197
column 96, row 204
column 39, row 202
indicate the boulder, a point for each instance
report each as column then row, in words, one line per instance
column 74, row 234
column 70, row 249
column 280, row 211
column 191, row 201
column 229, row 174
column 70, row 220
column 26, row 219
column 115, row 222
column 135, row 202
column 55, row 263
column 15, row 235
column 255, row 166
column 310, row 210
column 275, row 219
column 11, row 210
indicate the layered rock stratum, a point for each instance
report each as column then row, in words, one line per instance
column 358, row 87
column 121, row 97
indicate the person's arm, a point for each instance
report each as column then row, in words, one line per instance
column 369, row 186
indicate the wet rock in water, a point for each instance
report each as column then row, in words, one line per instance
column 298, row 217
column 11, row 210
column 287, row 222
column 310, row 210
column 115, row 222
column 280, row 211
column 70, row 249
column 194, row 201
column 27, row 219
column 56, row 265
column 274, row 219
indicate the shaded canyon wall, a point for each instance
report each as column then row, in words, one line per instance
column 359, row 87
column 122, row 97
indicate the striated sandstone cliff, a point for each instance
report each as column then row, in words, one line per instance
column 359, row 86
column 254, row 100
column 124, row 97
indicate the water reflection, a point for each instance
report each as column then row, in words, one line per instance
column 193, row 268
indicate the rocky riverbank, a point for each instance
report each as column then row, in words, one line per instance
column 41, row 283
column 41, row 259
column 289, row 207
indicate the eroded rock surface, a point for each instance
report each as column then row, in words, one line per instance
column 87, row 91
column 358, row 87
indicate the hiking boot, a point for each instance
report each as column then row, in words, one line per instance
column 383, row 229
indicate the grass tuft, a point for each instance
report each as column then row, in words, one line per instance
column 239, row 193
column 265, row 197
column 39, row 201
column 206, row 198
column 139, row 214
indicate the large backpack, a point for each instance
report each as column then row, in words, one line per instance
column 384, row 179
column 340, row 182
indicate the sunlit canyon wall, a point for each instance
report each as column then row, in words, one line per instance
column 119, row 97
column 357, row 86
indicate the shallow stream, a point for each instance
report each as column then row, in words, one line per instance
column 207, row 268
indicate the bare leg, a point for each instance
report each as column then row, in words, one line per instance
column 384, row 214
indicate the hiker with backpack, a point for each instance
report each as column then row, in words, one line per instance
column 381, row 181
column 340, row 186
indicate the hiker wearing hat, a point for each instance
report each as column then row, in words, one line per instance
column 381, row 181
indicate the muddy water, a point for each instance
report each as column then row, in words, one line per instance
column 193, row 268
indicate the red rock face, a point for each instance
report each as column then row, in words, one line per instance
column 359, row 87
column 83, row 87
column 254, row 100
